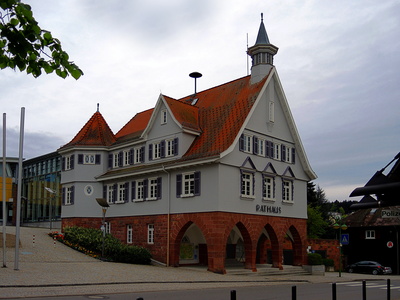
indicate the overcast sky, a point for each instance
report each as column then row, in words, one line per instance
column 338, row 62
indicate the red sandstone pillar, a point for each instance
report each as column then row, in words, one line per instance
column 216, row 256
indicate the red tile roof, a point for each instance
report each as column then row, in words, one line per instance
column 218, row 114
column 135, row 127
column 94, row 133
column 222, row 111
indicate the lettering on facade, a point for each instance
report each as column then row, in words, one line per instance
column 390, row 213
column 268, row 209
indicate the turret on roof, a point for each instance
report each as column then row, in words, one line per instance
column 95, row 132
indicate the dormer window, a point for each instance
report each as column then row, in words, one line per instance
column 163, row 116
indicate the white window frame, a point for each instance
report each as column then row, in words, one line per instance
column 247, row 181
column 287, row 191
column 157, row 150
column 139, row 191
column 163, row 116
column 125, row 159
column 268, row 188
column 120, row 193
column 277, row 151
column 261, row 147
column 152, row 189
column 188, row 184
column 129, row 234
column 150, row 233
column 89, row 159
column 68, row 195
column 116, row 160
column 67, row 163
column 169, row 148
column 248, row 143
column 110, row 193
column 137, row 155
column 370, row 235
column 271, row 116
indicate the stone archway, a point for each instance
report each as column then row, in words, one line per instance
column 298, row 246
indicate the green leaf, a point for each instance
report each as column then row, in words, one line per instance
column 47, row 36
column 76, row 73
column 14, row 22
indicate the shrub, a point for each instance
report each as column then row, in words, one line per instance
column 314, row 259
column 91, row 240
column 328, row 262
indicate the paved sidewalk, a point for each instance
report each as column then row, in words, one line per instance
column 48, row 268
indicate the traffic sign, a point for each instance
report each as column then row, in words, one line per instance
column 345, row 239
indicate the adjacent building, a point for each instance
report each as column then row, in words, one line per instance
column 220, row 174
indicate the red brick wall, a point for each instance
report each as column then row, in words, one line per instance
column 330, row 246
column 216, row 227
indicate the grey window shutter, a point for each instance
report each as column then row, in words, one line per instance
column 63, row 163
column 293, row 155
column 131, row 153
column 72, row 194
column 72, row 161
column 120, row 158
column 176, row 145
column 146, row 188
column 162, row 148
column 97, row 159
column 126, row 192
column 63, row 196
column 151, row 152
column 197, row 185
column 105, row 191
column 80, row 159
column 178, row 185
column 159, row 191
column 133, row 190
column 110, row 160
column 255, row 145
column 283, row 150
column 142, row 154
column 115, row 192
column 241, row 143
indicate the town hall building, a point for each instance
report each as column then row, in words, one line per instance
column 221, row 174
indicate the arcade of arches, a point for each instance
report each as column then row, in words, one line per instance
column 215, row 238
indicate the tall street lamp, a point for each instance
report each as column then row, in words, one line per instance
column 53, row 192
column 104, row 206
column 341, row 227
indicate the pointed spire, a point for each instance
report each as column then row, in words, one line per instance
column 95, row 132
column 262, row 54
column 262, row 37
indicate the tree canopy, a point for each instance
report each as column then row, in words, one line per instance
column 26, row 46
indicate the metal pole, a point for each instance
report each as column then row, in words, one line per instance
column 294, row 295
column 51, row 212
column 364, row 290
column 233, row 295
column 340, row 252
column 19, row 188
column 333, row 291
column 4, row 194
column 104, row 231
column 388, row 289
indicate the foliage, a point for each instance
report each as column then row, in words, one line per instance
column 314, row 259
column 25, row 45
column 316, row 225
column 328, row 262
column 89, row 241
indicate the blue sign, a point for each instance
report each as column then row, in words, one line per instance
column 345, row 239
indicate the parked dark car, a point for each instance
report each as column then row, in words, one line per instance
column 371, row 267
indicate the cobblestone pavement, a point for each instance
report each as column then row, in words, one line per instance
column 49, row 268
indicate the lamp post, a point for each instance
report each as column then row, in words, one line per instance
column 104, row 206
column 53, row 192
column 341, row 227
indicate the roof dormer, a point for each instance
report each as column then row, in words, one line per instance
column 262, row 55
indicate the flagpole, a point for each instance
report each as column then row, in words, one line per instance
column 19, row 188
column 4, row 193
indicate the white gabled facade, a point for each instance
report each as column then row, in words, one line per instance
column 200, row 179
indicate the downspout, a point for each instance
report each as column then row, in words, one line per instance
column 168, row 212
